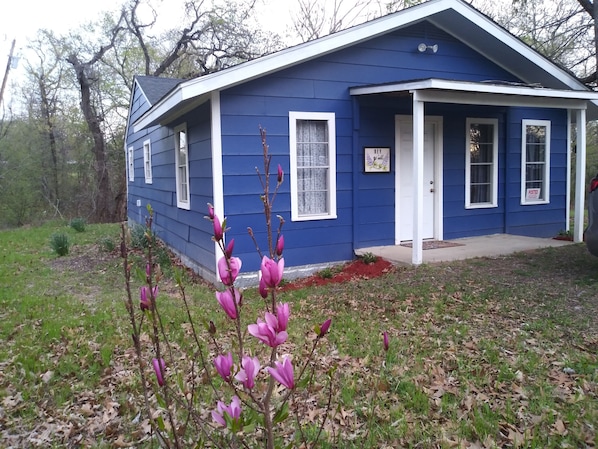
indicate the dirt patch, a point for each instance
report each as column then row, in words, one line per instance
column 351, row 271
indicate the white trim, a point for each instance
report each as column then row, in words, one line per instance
column 181, row 203
column 546, row 180
column 217, row 173
column 329, row 117
column 494, row 182
column 131, row 163
column 568, row 195
column 147, row 161
column 445, row 14
column 437, row 86
column 580, row 175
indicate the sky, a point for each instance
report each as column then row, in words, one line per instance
column 20, row 20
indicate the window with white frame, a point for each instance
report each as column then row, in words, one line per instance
column 181, row 152
column 535, row 162
column 312, row 138
column 147, row 161
column 131, row 160
column 481, row 159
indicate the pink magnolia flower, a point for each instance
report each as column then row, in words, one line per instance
column 324, row 327
column 159, row 369
column 233, row 410
column 272, row 271
column 227, row 276
column 266, row 331
column 224, row 364
column 280, row 245
column 385, row 340
column 283, row 373
column 218, row 233
column 250, row 368
column 145, row 299
column 280, row 174
column 227, row 302
column 210, row 211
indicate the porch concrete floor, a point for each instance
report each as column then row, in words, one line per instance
column 467, row 248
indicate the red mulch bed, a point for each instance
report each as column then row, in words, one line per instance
column 351, row 271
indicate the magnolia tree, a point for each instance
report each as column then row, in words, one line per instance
column 241, row 369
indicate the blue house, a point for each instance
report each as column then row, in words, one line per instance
column 430, row 123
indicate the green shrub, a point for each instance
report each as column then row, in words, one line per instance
column 139, row 238
column 78, row 224
column 369, row 258
column 60, row 243
column 107, row 244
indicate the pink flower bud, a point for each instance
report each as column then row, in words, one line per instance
column 280, row 174
column 229, row 248
column 210, row 211
column 280, row 245
column 159, row 369
column 227, row 302
column 224, row 364
column 263, row 288
column 324, row 327
column 282, row 315
column 218, row 234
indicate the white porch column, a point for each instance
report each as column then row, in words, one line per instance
column 418, row 179
column 580, row 174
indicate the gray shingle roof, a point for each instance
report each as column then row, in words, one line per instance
column 154, row 88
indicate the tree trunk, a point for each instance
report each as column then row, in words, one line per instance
column 103, row 212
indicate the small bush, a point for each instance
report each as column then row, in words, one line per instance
column 326, row 273
column 78, row 224
column 107, row 244
column 60, row 243
column 139, row 238
column 369, row 258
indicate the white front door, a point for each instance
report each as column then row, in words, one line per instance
column 404, row 181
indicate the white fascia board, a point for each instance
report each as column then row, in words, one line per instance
column 433, row 84
column 289, row 57
column 502, row 35
column 152, row 116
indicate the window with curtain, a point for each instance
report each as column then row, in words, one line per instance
column 147, row 161
column 481, row 160
column 182, row 166
column 535, row 162
column 313, row 165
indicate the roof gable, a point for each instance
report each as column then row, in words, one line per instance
column 154, row 88
column 454, row 17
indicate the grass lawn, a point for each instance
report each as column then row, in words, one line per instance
column 483, row 353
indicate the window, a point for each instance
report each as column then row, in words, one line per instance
column 181, row 152
column 481, row 159
column 147, row 161
column 131, row 158
column 313, row 165
column 535, row 162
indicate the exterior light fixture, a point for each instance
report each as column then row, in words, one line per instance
column 423, row 47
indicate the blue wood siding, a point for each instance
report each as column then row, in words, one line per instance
column 186, row 231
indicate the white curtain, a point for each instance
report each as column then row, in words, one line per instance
column 312, row 166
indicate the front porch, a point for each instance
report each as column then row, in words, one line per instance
column 465, row 248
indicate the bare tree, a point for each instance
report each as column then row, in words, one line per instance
column 316, row 18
